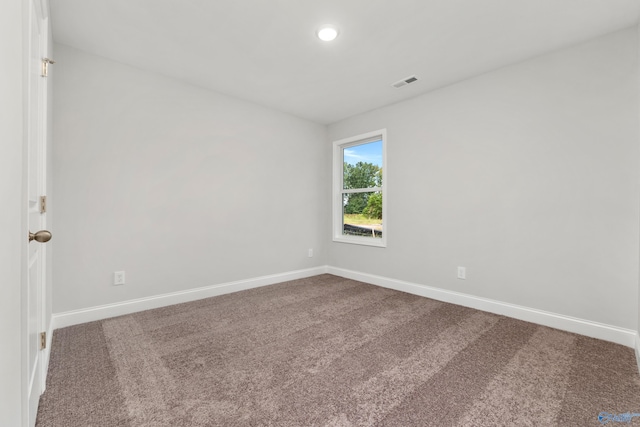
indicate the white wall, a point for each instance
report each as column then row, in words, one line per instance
column 11, row 225
column 176, row 185
column 527, row 176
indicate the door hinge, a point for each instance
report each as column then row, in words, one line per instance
column 43, row 204
column 43, row 340
column 45, row 66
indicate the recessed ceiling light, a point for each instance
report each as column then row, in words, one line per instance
column 327, row 33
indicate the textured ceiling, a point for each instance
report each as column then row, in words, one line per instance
column 266, row 51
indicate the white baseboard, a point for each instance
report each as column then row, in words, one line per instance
column 75, row 317
column 626, row 337
column 638, row 350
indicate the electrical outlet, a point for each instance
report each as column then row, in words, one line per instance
column 118, row 277
column 462, row 273
column 310, row 253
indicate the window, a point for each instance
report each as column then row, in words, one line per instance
column 359, row 190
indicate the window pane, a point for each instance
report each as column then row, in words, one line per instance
column 362, row 165
column 358, row 189
column 362, row 214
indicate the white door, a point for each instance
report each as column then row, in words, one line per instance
column 33, row 300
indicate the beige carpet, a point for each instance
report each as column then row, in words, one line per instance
column 327, row 351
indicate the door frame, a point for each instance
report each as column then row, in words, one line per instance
column 12, row 30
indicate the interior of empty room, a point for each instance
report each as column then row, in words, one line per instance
column 512, row 156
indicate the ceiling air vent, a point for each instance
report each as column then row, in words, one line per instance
column 404, row 82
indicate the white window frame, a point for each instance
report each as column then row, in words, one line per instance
column 338, row 175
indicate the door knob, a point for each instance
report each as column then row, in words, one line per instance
column 41, row 236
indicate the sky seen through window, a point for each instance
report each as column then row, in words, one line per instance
column 366, row 153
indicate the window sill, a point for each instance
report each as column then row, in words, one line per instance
column 364, row 241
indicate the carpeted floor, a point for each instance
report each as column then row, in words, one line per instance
column 327, row 351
